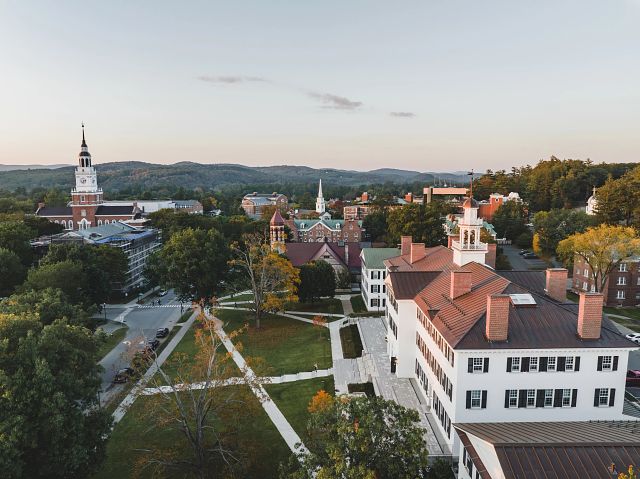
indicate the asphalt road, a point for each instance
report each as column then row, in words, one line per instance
column 518, row 263
column 143, row 324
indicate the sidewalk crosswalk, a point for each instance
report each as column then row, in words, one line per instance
column 148, row 306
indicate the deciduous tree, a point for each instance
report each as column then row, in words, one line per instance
column 194, row 262
column 50, row 423
column 12, row 271
column 48, row 305
column 603, row 248
column 201, row 398
column 422, row 222
column 272, row 278
column 67, row 276
column 510, row 220
column 317, row 279
column 555, row 225
column 357, row 438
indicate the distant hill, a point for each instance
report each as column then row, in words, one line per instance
column 29, row 167
column 136, row 174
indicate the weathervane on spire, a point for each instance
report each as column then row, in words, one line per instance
column 471, row 184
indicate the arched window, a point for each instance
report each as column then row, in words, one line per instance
column 70, row 224
column 99, row 222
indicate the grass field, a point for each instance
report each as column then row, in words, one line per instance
column 185, row 316
column 112, row 341
column 351, row 342
column 287, row 345
column 324, row 305
column 293, row 398
column 134, row 432
column 357, row 303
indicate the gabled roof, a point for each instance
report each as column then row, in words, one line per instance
column 330, row 224
column 462, row 321
column 374, row 257
column 541, row 450
column 301, row 253
column 54, row 211
column 105, row 210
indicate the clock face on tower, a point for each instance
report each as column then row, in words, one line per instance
column 83, row 180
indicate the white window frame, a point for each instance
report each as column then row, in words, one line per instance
column 604, row 397
column 513, row 398
column 476, row 399
column 622, row 281
column 533, row 364
column 566, row 398
column 609, row 363
column 585, row 286
column 477, row 365
column 552, row 360
column 548, row 398
column 620, row 294
column 623, row 267
column 586, row 272
column 569, row 363
column 531, row 398
column 515, row 365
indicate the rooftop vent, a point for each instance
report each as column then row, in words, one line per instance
column 523, row 300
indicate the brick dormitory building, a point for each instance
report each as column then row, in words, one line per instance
column 622, row 287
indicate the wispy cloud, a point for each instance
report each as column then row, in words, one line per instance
column 402, row 114
column 230, row 79
column 335, row 102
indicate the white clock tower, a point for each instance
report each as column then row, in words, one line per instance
column 86, row 196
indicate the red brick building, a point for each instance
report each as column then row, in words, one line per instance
column 86, row 208
column 622, row 288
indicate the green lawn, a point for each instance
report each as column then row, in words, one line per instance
column 293, row 398
column 323, row 305
column 351, row 342
column 185, row 316
column 287, row 346
column 357, row 303
column 112, row 341
column 134, row 432
column 239, row 297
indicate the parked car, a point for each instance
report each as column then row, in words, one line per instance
column 162, row 292
column 123, row 375
column 530, row 256
column 635, row 337
column 633, row 378
column 523, row 251
column 162, row 333
column 153, row 344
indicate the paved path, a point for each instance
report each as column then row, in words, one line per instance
column 279, row 420
column 346, row 304
column 390, row 386
column 286, row 378
column 166, row 352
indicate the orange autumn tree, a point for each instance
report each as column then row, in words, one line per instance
column 272, row 278
column 322, row 401
column 199, row 399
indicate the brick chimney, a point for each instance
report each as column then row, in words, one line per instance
column 490, row 257
column 417, row 252
column 590, row 315
column 365, row 196
column 405, row 245
column 460, row 283
column 497, row 317
column 556, row 285
column 408, row 197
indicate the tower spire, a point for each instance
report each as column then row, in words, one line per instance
column 471, row 184
column 84, row 143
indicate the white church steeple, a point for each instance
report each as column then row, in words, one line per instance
column 320, row 203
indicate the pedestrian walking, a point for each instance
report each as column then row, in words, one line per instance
column 315, row 366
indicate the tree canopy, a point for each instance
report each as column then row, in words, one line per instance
column 603, row 248
column 422, row 222
column 49, row 423
column 553, row 226
column 361, row 438
column 510, row 220
column 317, row 279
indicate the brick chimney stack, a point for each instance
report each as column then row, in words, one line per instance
column 497, row 317
column 590, row 315
column 417, row 252
column 408, row 197
column 556, row 285
column 460, row 283
column 405, row 244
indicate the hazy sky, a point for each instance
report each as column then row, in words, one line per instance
column 427, row 85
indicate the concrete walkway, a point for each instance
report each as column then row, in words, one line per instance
column 390, row 386
column 346, row 304
column 279, row 420
column 286, row 378
column 126, row 403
